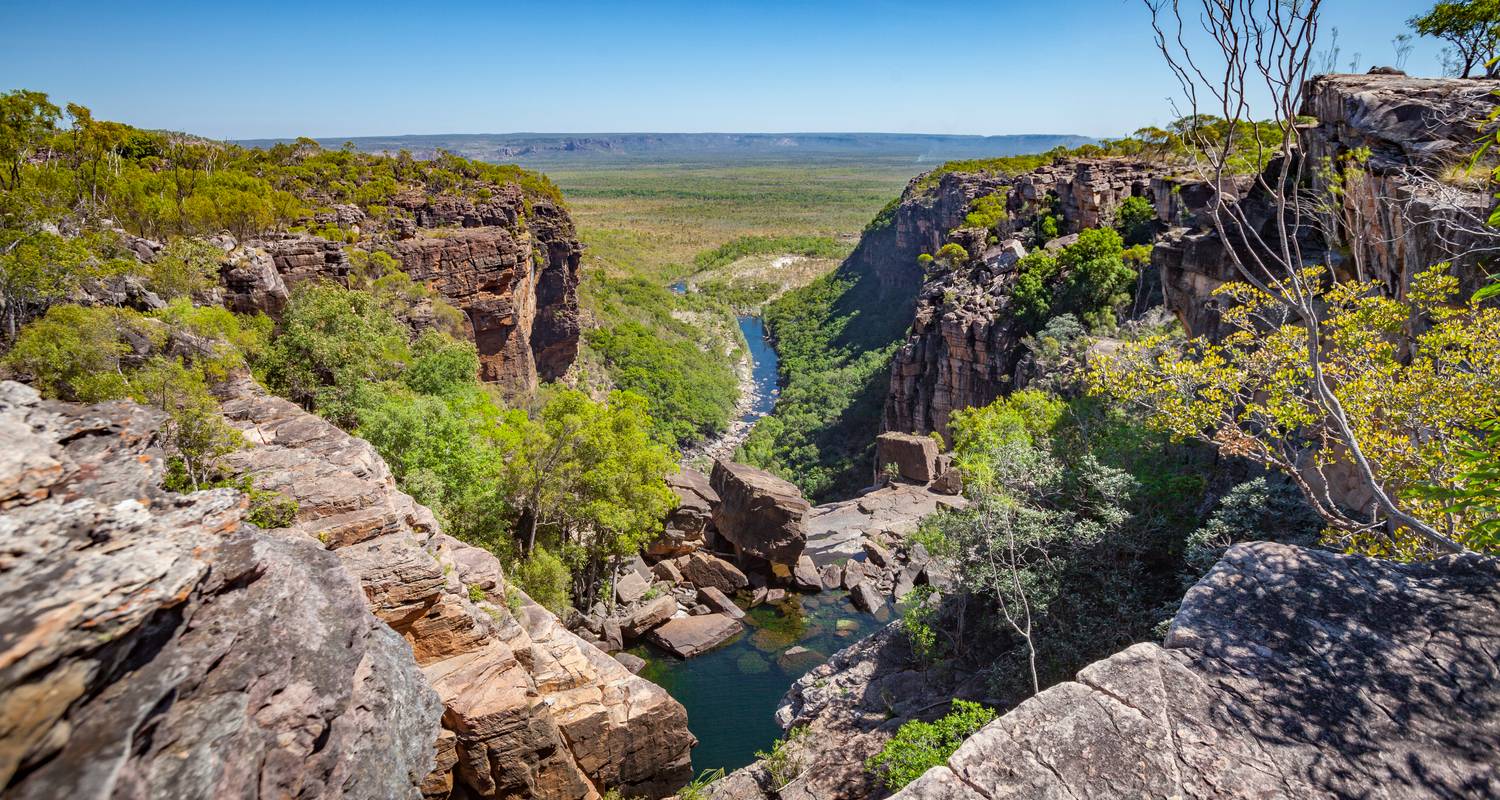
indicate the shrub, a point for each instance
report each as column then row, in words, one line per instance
column 545, row 578
column 919, row 746
column 1136, row 220
column 183, row 267
column 987, row 211
column 953, row 255
column 916, row 624
column 780, row 763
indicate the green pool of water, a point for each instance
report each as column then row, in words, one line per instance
column 731, row 693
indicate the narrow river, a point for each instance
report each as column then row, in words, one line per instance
column 731, row 693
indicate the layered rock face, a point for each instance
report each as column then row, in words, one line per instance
column 1286, row 673
column 1396, row 147
column 509, row 264
column 530, row 710
column 964, row 346
column 157, row 645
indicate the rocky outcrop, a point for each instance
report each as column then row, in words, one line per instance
column 158, row 645
column 509, row 263
column 964, row 346
column 759, row 513
column 688, row 525
column 530, row 709
column 1382, row 684
column 1396, row 147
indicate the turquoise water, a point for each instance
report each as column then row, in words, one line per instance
column 731, row 693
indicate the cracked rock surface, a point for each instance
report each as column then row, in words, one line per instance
column 1287, row 673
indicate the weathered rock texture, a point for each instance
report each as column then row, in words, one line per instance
column 531, row 710
column 687, row 526
column 156, row 645
column 1399, row 212
column 1286, row 673
column 760, row 513
column 965, row 346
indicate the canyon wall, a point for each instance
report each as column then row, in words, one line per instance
column 509, row 263
column 359, row 652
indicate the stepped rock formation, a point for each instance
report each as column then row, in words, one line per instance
column 531, row 710
column 1286, row 673
column 157, row 645
column 1405, row 208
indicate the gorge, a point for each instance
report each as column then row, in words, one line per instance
column 792, row 467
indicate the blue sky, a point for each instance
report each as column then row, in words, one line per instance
column 334, row 68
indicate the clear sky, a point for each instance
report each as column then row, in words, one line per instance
column 333, row 68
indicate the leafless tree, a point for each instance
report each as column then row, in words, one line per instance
column 1255, row 57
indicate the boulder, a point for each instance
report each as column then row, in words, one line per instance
column 702, row 569
column 878, row 555
column 906, row 581
column 1287, row 672
column 630, row 662
column 775, row 595
column 865, row 597
column 915, row 457
column 805, row 575
column 252, row 283
column 687, row 526
column 854, row 575
column 949, row 482
column 648, row 616
column 686, row 637
column 667, row 571
column 630, row 587
column 760, row 513
column 718, row 601
column 832, row 577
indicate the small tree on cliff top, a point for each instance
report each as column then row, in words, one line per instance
column 1471, row 28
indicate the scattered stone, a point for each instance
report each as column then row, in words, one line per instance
column 698, row 610
column 915, row 456
column 667, row 571
column 718, row 601
column 798, row 657
column 832, row 577
column 906, row 581
column 774, row 596
column 854, row 574
column 687, row 526
column 631, row 662
column 752, row 663
column 760, row 513
column 845, row 628
column 703, row 569
column 611, row 637
column 648, row 616
column 690, row 636
column 759, row 595
column 878, row 555
column 950, row 482
column 939, row 576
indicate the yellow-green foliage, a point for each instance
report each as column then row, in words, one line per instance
column 1409, row 396
column 987, row 211
column 919, row 746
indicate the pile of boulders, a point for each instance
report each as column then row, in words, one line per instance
column 740, row 538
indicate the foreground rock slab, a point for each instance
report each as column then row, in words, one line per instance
column 157, row 645
column 1286, row 673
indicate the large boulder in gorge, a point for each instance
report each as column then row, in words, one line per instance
column 1286, row 673
column 687, row 526
column 915, row 457
column 760, row 513
column 157, row 645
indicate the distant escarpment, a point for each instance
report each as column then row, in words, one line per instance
column 1383, row 684
column 166, row 647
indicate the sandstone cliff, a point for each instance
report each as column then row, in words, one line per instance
column 530, row 710
column 149, row 626
column 964, row 345
column 1382, row 684
column 158, row 645
column 509, row 263
column 1394, row 147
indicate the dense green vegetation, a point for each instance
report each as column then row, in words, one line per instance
column 1088, row 279
column 835, row 346
column 919, row 746
column 735, row 249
